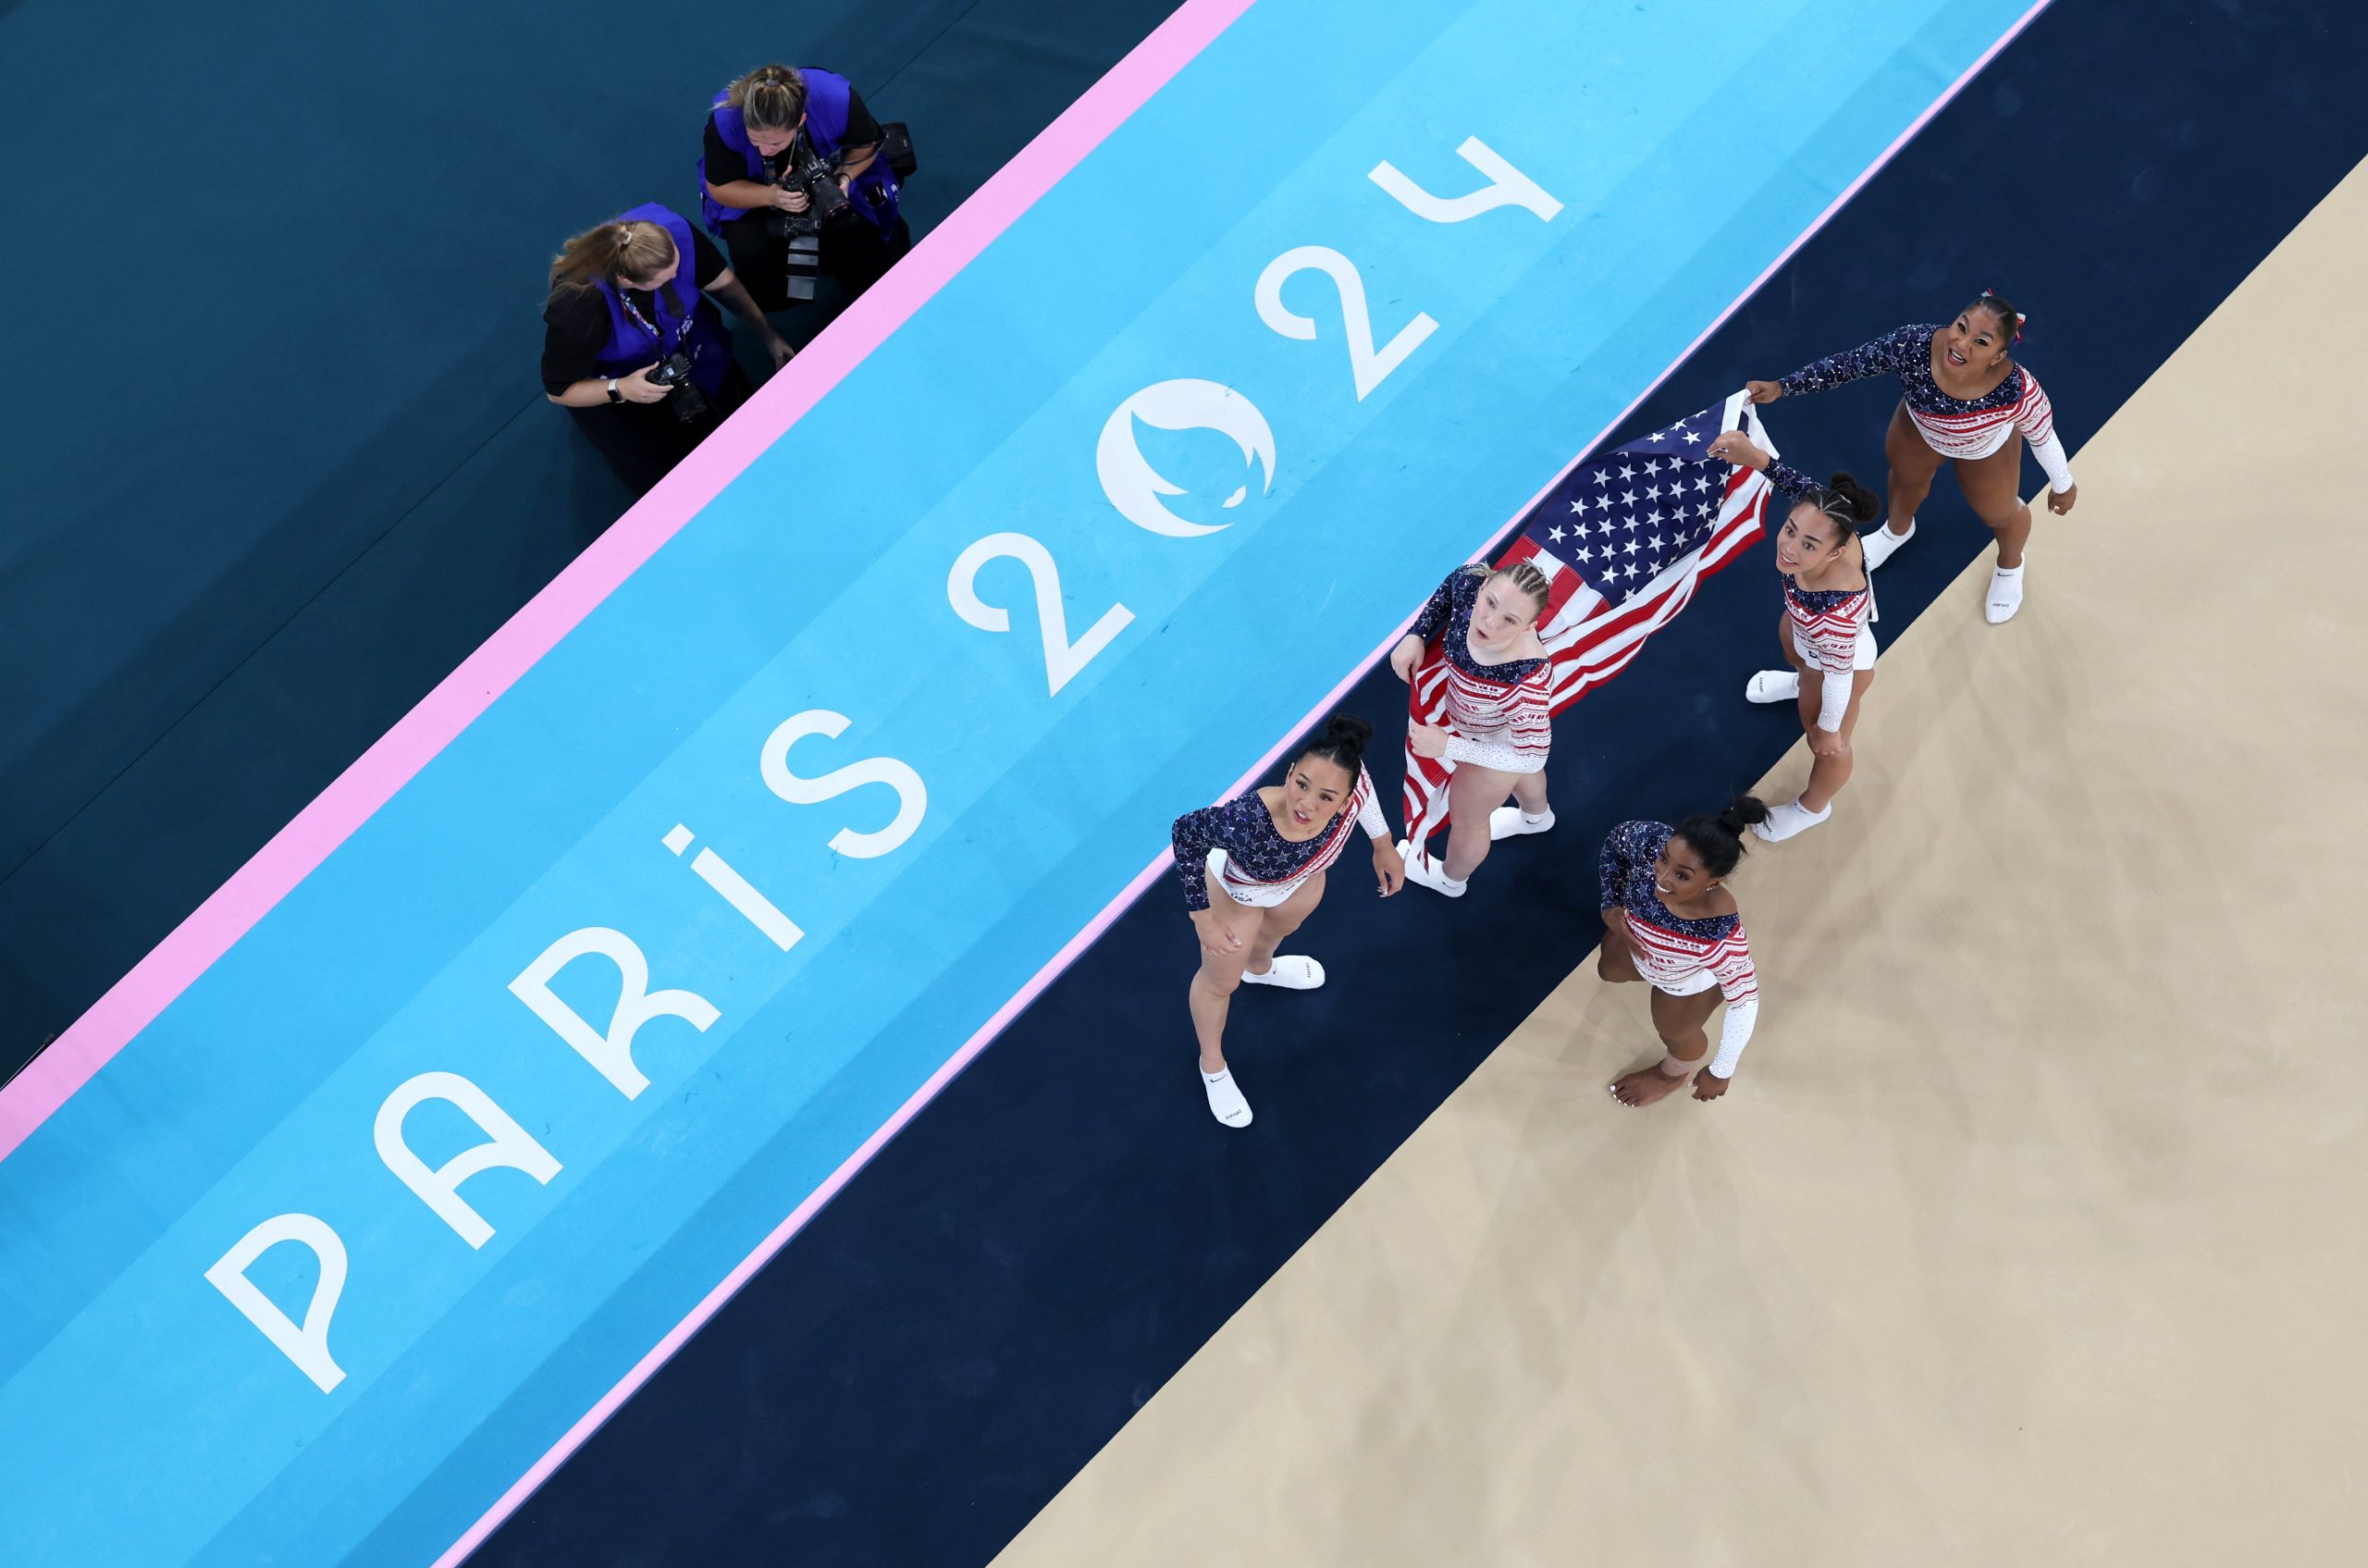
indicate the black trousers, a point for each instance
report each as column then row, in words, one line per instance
column 854, row 252
column 643, row 442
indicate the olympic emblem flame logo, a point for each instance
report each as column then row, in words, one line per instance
column 1135, row 487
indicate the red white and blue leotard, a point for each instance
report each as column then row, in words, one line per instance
column 1238, row 844
column 1679, row 956
column 1965, row 428
column 1496, row 714
column 1831, row 626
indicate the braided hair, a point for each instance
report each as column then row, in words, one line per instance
column 1527, row 581
column 1845, row 503
column 2009, row 318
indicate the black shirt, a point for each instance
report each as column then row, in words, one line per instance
column 575, row 321
column 724, row 165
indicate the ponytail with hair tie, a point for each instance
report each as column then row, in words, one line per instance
column 1847, row 502
column 1716, row 836
column 619, row 251
column 769, row 98
column 1342, row 743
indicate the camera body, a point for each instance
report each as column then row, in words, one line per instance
column 673, row 372
column 818, row 178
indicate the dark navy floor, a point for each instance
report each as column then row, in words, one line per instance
column 935, row 1355
column 278, row 456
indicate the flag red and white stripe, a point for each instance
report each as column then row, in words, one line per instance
column 1590, row 637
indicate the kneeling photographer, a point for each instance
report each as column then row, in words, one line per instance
column 635, row 352
column 795, row 184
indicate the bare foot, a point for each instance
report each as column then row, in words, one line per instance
column 1644, row 1086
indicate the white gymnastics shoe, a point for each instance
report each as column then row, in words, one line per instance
column 1511, row 822
column 1790, row 817
column 1421, row 868
column 1225, row 1103
column 1774, row 685
column 1880, row 543
column 1290, row 971
column 2006, row 594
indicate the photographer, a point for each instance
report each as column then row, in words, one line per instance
column 795, row 185
column 638, row 354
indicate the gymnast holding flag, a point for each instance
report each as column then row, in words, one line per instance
column 1825, row 636
column 1964, row 400
column 1615, row 549
column 1494, row 675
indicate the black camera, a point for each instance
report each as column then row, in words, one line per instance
column 673, row 372
column 818, row 178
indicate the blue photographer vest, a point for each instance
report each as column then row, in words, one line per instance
column 683, row 319
column 874, row 192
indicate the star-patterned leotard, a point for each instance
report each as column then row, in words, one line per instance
column 1679, row 956
column 1497, row 713
column 1831, row 626
column 1966, row 427
column 1256, row 865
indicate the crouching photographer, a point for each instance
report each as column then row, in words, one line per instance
column 635, row 352
column 801, row 180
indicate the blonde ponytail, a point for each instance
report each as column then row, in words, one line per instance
column 617, row 252
column 769, row 98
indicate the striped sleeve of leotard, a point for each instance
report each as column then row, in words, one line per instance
column 1730, row 964
column 2036, row 417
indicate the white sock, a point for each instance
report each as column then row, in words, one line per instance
column 1289, row 970
column 1773, row 686
column 1225, row 1098
column 1790, row 817
column 1879, row 543
column 1431, row 873
column 1511, row 822
column 2006, row 594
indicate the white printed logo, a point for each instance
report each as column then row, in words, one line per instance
column 1134, row 487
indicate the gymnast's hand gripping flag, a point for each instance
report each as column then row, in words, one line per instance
column 1622, row 539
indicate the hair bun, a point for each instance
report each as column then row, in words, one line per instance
column 1349, row 728
column 1342, row 743
column 1864, row 504
column 1716, row 836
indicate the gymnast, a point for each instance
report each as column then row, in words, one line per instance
column 1253, row 869
column 1669, row 921
column 1498, row 731
column 1968, row 400
column 1824, row 634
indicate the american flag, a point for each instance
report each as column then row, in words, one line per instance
column 1622, row 539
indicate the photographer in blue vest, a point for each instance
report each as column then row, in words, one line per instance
column 634, row 350
column 795, row 185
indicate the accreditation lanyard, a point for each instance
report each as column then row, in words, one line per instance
column 667, row 341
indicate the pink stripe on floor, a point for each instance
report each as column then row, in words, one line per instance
column 1063, row 144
